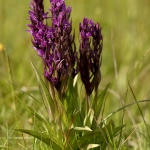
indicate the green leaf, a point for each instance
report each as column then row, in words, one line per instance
column 71, row 99
column 60, row 116
column 49, row 140
column 44, row 122
column 90, row 146
column 89, row 118
column 118, row 129
column 47, row 100
column 97, row 106
column 98, row 136
column 82, row 128
column 99, row 102
column 86, row 139
column 111, row 132
column 71, row 104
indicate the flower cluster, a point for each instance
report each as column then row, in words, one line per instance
column 37, row 27
column 63, row 56
column 90, row 54
column 55, row 45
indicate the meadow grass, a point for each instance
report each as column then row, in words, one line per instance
column 125, row 65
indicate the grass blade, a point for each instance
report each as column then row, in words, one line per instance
column 108, row 116
column 49, row 140
column 140, row 110
column 97, row 106
column 48, row 102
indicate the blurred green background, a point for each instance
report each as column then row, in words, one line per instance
column 125, row 57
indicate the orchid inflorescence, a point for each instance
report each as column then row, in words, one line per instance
column 55, row 45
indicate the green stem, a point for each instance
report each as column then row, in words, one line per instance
column 147, row 128
column 11, row 79
column 108, row 116
column 87, row 104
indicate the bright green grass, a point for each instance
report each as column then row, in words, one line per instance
column 126, row 28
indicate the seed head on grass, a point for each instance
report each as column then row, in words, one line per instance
column 90, row 54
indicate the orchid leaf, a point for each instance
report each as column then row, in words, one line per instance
column 46, row 97
column 49, row 140
column 99, row 103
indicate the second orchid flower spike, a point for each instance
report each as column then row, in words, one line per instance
column 91, row 42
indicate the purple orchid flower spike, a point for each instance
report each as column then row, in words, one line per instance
column 55, row 43
column 63, row 56
column 90, row 54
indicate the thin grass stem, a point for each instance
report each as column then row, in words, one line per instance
column 108, row 116
column 140, row 110
column 11, row 80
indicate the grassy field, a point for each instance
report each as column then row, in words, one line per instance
column 125, row 61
